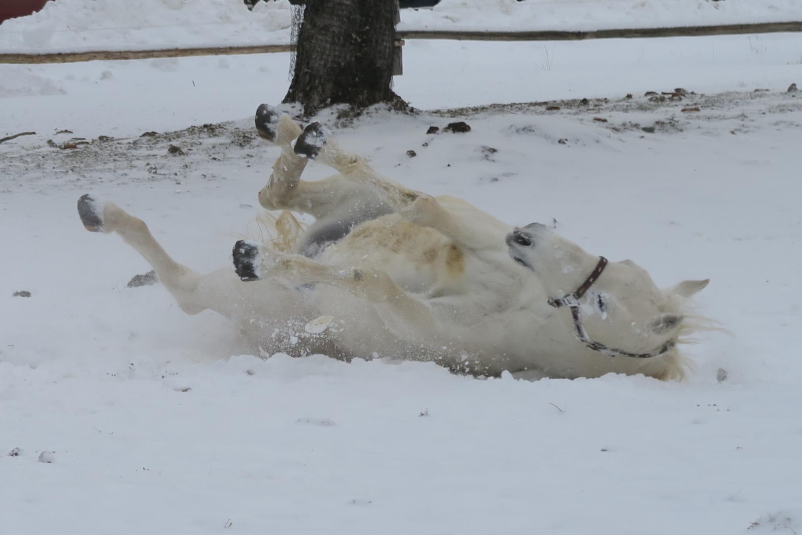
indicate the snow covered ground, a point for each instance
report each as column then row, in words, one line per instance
column 110, row 25
column 589, row 15
column 161, row 423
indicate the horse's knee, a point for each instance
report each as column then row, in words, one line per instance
column 136, row 225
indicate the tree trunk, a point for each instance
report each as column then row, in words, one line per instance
column 344, row 54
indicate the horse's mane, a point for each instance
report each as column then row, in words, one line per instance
column 693, row 323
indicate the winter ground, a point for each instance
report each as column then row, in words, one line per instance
column 159, row 424
column 111, row 25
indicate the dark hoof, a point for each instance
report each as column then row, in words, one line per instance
column 312, row 140
column 266, row 121
column 245, row 257
column 88, row 210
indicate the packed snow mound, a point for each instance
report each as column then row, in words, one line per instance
column 77, row 25
column 112, row 25
column 590, row 15
column 19, row 81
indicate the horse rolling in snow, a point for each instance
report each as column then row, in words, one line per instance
column 391, row 272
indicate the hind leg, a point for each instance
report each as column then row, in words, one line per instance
column 404, row 314
column 193, row 292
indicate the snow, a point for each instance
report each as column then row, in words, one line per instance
column 590, row 15
column 78, row 25
column 21, row 82
column 162, row 423
column 113, row 25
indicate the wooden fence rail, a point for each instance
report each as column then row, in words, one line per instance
column 641, row 33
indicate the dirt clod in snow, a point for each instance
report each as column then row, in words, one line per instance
column 433, row 130
column 411, row 153
column 47, row 457
column 16, row 452
column 22, row 293
column 487, row 154
column 175, row 151
column 147, row 279
column 792, row 89
column 460, row 127
column 721, row 375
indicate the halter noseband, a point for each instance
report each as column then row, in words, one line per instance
column 572, row 301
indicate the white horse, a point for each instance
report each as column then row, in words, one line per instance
column 390, row 272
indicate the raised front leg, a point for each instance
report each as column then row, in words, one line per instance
column 317, row 142
column 343, row 200
column 287, row 170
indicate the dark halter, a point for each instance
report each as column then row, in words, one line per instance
column 572, row 301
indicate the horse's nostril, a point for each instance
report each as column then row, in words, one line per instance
column 522, row 239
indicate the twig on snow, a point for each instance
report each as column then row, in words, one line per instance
column 556, row 407
column 15, row 136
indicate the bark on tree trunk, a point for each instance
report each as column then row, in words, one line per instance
column 344, row 54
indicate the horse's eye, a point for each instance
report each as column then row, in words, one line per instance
column 600, row 303
column 522, row 239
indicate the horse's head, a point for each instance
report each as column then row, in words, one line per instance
column 616, row 308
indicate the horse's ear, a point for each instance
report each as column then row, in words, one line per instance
column 665, row 323
column 689, row 288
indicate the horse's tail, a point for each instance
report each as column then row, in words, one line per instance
column 281, row 233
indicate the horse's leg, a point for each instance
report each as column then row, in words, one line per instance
column 285, row 190
column 317, row 142
column 193, row 292
column 399, row 310
column 287, row 170
column 338, row 204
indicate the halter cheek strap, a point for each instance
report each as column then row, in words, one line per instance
column 572, row 301
column 580, row 292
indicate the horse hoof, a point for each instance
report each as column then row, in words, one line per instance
column 266, row 121
column 90, row 213
column 311, row 140
column 245, row 257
